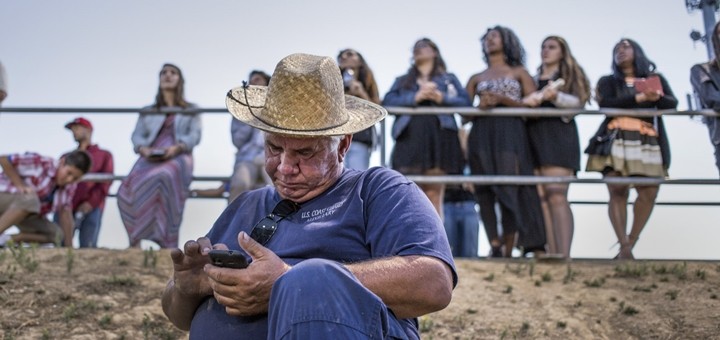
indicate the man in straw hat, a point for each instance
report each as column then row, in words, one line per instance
column 338, row 253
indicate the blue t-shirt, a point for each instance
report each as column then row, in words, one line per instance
column 365, row 215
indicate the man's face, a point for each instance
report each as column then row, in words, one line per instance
column 67, row 174
column 80, row 133
column 303, row 168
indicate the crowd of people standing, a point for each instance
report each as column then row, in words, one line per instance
column 535, row 219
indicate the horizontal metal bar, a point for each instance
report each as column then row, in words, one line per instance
column 532, row 180
column 691, row 204
column 483, row 179
column 101, row 177
column 468, row 111
column 543, row 112
column 163, row 110
column 703, row 204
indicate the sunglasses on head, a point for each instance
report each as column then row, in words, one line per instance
column 265, row 229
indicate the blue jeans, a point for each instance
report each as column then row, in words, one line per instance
column 358, row 156
column 316, row 299
column 321, row 299
column 89, row 228
column 462, row 227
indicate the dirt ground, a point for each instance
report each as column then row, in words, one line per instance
column 115, row 294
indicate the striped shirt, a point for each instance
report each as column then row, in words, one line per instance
column 38, row 172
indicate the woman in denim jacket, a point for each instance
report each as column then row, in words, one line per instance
column 427, row 144
column 152, row 197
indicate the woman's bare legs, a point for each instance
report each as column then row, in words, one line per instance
column 508, row 242
column 435, row 192
column 642, row 209
column 486, row 200
column 561, row 216
column 550, row 245
column 617, row 210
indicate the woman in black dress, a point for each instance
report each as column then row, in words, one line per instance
column 427, row 144
column 498, row 145
column 554, row 141
column 640, row 147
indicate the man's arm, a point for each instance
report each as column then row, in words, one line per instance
column 409, row 285
column 179, row 308
column 12, row 174
column 706, row 88
column 189, row 285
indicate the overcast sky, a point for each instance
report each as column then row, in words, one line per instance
column 83, row 53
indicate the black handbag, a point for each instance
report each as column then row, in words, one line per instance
column 602, row 145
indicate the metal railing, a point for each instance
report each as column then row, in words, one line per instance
column 464, row 111
column 588, row 208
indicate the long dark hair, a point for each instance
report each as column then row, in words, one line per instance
column 512, row 48
column 642, row 66
column 576, row 82
column 438, row 65
column 179, row 90
column 365, row 76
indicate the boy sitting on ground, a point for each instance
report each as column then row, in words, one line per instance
column 31, row 186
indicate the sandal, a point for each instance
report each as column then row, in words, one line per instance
column 625, row 252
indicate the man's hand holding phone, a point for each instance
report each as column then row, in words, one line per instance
column 228, row 259
column 246, row 292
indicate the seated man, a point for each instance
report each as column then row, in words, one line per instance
column 338, row 253
column 31, row 186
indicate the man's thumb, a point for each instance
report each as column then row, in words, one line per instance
column 250, row 246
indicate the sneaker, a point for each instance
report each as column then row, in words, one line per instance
column 4, row 238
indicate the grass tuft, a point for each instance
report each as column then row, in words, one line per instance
column 595, row 283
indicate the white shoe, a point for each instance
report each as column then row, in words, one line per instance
column 4, row 238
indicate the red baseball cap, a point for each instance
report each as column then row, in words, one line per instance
column 79, row 121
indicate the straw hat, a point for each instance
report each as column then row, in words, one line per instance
column 304, row 98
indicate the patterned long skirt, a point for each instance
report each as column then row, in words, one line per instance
column 152, row 197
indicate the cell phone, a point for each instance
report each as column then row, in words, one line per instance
column 228, row 259
column 157, row 152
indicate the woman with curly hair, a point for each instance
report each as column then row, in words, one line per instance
column 498, row 145
column 554, row 141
